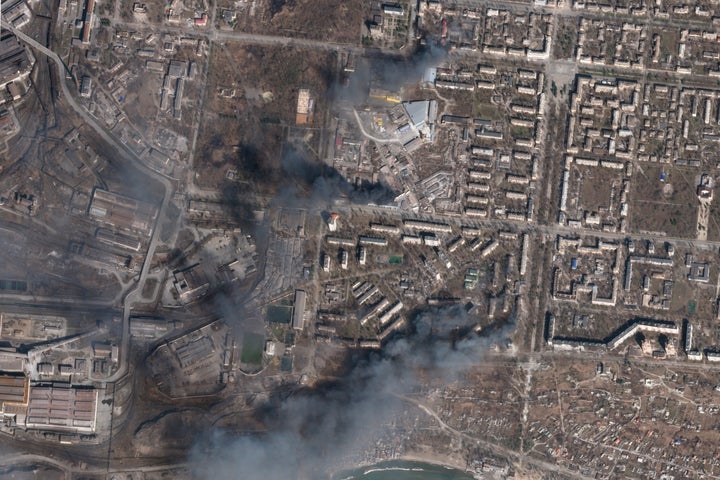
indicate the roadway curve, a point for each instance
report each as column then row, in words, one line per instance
column 131, row 297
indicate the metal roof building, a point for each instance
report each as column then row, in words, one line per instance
column 14, row 59
column 298, row 318
column 13, row 389
column 392, row 9
column 59, row 406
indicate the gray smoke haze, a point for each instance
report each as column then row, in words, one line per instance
column 387, row 72
column 317, row 431
column 302, row 179
column 306, row 183
column 313, row 184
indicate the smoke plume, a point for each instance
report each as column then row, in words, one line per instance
column 319, row 430
column 387, row 72
column 313, row 184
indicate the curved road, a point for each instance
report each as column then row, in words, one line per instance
column 69, row 469
column 132, row 297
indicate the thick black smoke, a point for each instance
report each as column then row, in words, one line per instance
column 323, row 429
column 301, row 181
column 313, row 184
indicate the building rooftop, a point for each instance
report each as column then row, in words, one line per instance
column 61, row 406
column 14, row 60
column 13, row 389
column 418, row 112
column 122, row 212
column 298, row 318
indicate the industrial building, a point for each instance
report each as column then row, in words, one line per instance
column 13, row 397
column 86, row 86
column 148, row 328
column 305, row 106
column 122, row 212
column 13, row 389
column 190, row 283
column 15, row 62
column 16, row 12
column 194, row 350
column 298, row 318
column 63, row 407
column 118, row 239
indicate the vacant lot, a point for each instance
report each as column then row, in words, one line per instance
column 251, row 102
column 314, row 19
column 565, row 39
column 669, row 206
column 714, row 223
column 597, row 189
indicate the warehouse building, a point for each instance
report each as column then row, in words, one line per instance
column 122, row 213
column 13, row 398
column 298, row 318
column 60, row 406
column 15, row 63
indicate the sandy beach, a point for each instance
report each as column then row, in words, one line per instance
column 455, row 462
column 435, row 459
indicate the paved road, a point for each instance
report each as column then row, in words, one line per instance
column 253, row 38
column 522, row 226
column 16, row 460
column 284, row 41
column 132, row 297
column 70, row 468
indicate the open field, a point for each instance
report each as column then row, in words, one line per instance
column 252, row 95
column 669, row 206
column 318, row 20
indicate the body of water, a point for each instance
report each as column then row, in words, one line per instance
column 403, row 470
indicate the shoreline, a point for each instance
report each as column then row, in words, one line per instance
column 439, row 459
column 431, row 458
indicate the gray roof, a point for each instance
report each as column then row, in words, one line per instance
column 417, row 111
column 298, row 320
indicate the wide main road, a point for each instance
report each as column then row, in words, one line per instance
column 218, row 35
column 128, row 155
column 284, row 41
column 520, row 226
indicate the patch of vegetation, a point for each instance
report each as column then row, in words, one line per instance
column 252, row 348
column 279, row 314
column 565, row 43
column 286, row 364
